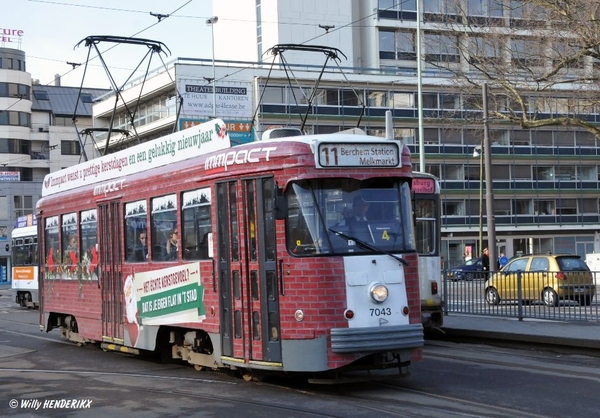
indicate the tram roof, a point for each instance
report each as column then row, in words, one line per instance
column 201, row 140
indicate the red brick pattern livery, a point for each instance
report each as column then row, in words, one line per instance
column 315, row 285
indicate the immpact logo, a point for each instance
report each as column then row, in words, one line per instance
column 253, row 155
column 109, row 187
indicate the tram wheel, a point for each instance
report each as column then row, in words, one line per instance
column 247, row 376
column 198, row 367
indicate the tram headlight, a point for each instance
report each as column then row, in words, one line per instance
column 379, row 293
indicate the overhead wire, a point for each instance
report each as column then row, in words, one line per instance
column 172, row 15
column 111, row 9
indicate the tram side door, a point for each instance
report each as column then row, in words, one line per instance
column 248, row 270
column 111, row 284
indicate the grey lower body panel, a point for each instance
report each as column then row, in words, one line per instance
column 375, row 339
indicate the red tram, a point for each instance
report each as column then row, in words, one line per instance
column 242, row 257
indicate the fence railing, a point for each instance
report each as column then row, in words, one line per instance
column 547, row 295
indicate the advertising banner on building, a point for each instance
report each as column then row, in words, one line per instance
column 232, row 99
column 10, row 176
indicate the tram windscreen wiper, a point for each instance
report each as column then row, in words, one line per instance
column 367, row 246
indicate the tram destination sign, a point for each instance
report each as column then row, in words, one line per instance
column 358, row 154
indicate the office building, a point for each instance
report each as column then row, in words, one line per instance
column 37, row 136
column 545, row 180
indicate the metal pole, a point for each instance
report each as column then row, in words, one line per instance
column 480, row 249
column 211, row 22
column 489, row 190
column 420, row 93
column 214, row 82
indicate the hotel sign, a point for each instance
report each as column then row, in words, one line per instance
column 10, row 35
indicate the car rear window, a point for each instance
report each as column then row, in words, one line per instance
column 571, row 264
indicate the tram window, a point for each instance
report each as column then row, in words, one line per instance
column 269, row 214
column 52, row 245
column 251, row 216
column 136, row 227
column 233, row 219
column 89, row 244
column 197, row 224
column 70, row 247
column 27, row 251
column 19, row 252
column 164, row 224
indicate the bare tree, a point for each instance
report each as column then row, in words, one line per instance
column 540, row 58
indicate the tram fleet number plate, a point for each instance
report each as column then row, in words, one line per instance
column 335, row 154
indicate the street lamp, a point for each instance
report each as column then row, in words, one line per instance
column 211, row 22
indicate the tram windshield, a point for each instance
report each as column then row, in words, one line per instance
column 25, row 251
column 324, row 215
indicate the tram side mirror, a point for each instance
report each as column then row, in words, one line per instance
column 280, row 207
column 7, row 247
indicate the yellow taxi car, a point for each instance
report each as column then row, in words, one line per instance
column 545, row 277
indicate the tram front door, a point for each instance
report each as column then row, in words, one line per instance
column 248, row 283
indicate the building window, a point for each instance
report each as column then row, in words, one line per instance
column 589, row 206
column 545, row 207
column 14, row 90
column 543, row 173
column 441, row 48
column 430, row 101
column 3, row 208
column 12, row 118
column 456, row 208
column 70, row 148
column 23, row 205
column 41, row 95
column 62, row 121
column 402, row 101
column 527, row 52
column 488, row 8
column 273, row 95
column 523, row 207
column 453, row 172
column 11, row 146
column 400, row 10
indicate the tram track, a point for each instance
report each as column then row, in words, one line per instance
column 296, row 407
column 301, row 407
column 544, row 358
column 361, row 402
column 385, row 398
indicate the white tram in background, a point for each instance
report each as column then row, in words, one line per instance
column 24, row 248
column 426, row 193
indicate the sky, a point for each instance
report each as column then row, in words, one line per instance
column 51, row 29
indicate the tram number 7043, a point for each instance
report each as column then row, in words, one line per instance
column 380, row 312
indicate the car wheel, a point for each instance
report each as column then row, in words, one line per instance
column 491, row 296
column 550, row 297
column 584, row 300
column 469, row 276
